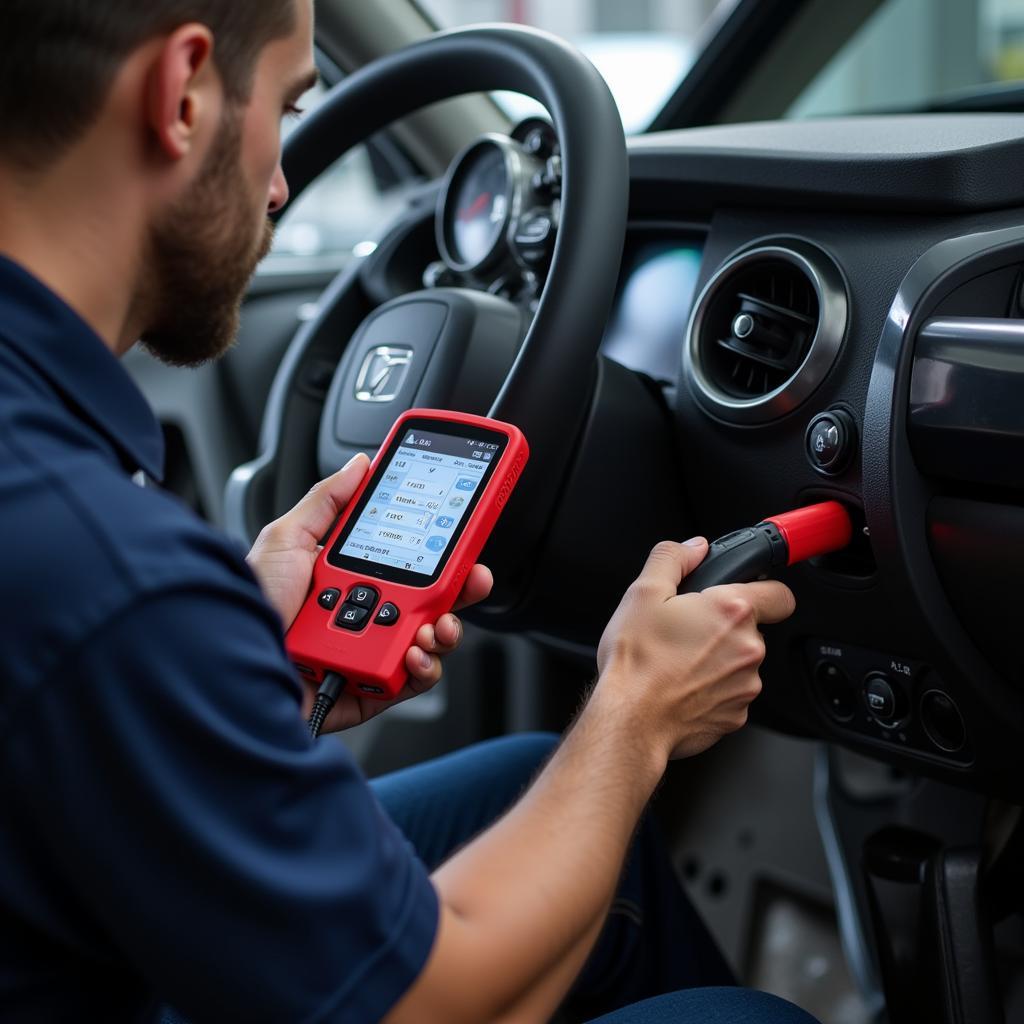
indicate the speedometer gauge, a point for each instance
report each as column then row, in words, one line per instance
column 476, row 206
column 480, row 206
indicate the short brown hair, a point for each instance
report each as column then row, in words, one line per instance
column 58, row 59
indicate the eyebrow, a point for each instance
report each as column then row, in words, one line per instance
column 304, row 84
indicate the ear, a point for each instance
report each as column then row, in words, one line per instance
column 183, row 90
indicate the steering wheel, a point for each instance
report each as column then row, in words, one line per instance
column 543, row 382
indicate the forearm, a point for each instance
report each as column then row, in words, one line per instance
column 522, row 904
column 541, row 999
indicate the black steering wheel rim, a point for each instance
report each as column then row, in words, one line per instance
column 547, row 390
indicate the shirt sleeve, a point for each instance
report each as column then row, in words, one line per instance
column 245, row 870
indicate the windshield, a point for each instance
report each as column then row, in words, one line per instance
column 912, row 54
column 658, row 36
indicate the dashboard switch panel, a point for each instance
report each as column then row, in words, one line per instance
column 889, row 700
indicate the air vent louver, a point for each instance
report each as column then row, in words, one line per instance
column 757, row 326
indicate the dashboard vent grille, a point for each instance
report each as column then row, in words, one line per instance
column 757, row 325
column 762, row 326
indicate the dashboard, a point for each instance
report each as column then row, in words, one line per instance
column 657, row 286
column 893, row 242
column 822, row 310
column 805, row 311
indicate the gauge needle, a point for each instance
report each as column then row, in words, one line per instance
column 478, row 206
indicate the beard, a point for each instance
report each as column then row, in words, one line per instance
column 202, row 255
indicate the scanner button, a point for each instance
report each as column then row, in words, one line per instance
column 388, row 615
column 329, row 598
column 365, row 597
column 351, row 617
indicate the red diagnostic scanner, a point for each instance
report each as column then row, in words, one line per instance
column 401, row 551
column 751, row 554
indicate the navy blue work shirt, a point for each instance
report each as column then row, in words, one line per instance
column 168, row 830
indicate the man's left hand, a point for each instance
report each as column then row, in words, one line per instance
column 283, row 557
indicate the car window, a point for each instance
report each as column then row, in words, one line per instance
column 619, row 37
column 912, row 53
column 340, row 215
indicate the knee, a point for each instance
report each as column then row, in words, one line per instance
column 731, row 1005
column 711, row 1006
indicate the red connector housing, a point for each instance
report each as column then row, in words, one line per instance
column 815, row 530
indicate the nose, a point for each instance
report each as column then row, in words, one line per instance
column 278, row 190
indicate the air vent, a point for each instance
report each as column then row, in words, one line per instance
column 765, row 331
column 763, row 326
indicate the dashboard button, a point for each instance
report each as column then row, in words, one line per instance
column 836, row 691
column 825, row 441
column 942, row 721
column 365, row 597
column 351, row 617
column 329, row 598
column 831, row 439
column 388, row 614
column 884, row 701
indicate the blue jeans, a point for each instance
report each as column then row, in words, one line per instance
column 653, row 942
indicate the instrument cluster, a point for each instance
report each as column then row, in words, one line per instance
column 498, row 211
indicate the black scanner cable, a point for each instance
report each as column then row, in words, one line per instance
column 326, row 697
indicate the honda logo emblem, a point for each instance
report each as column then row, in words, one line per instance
column 383, row 373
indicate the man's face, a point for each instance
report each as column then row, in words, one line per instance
column 206, row 245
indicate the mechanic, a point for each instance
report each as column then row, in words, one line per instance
column 170, row 834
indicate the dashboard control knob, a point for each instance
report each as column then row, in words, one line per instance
column 535, row 143
column 884, row 700
column 831, row 441
column 942, row 721
column 437, row 275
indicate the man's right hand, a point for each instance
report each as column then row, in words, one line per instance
column 685, row 667
column 522, row 905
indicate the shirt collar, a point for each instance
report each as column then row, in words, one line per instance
column 61, row 346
